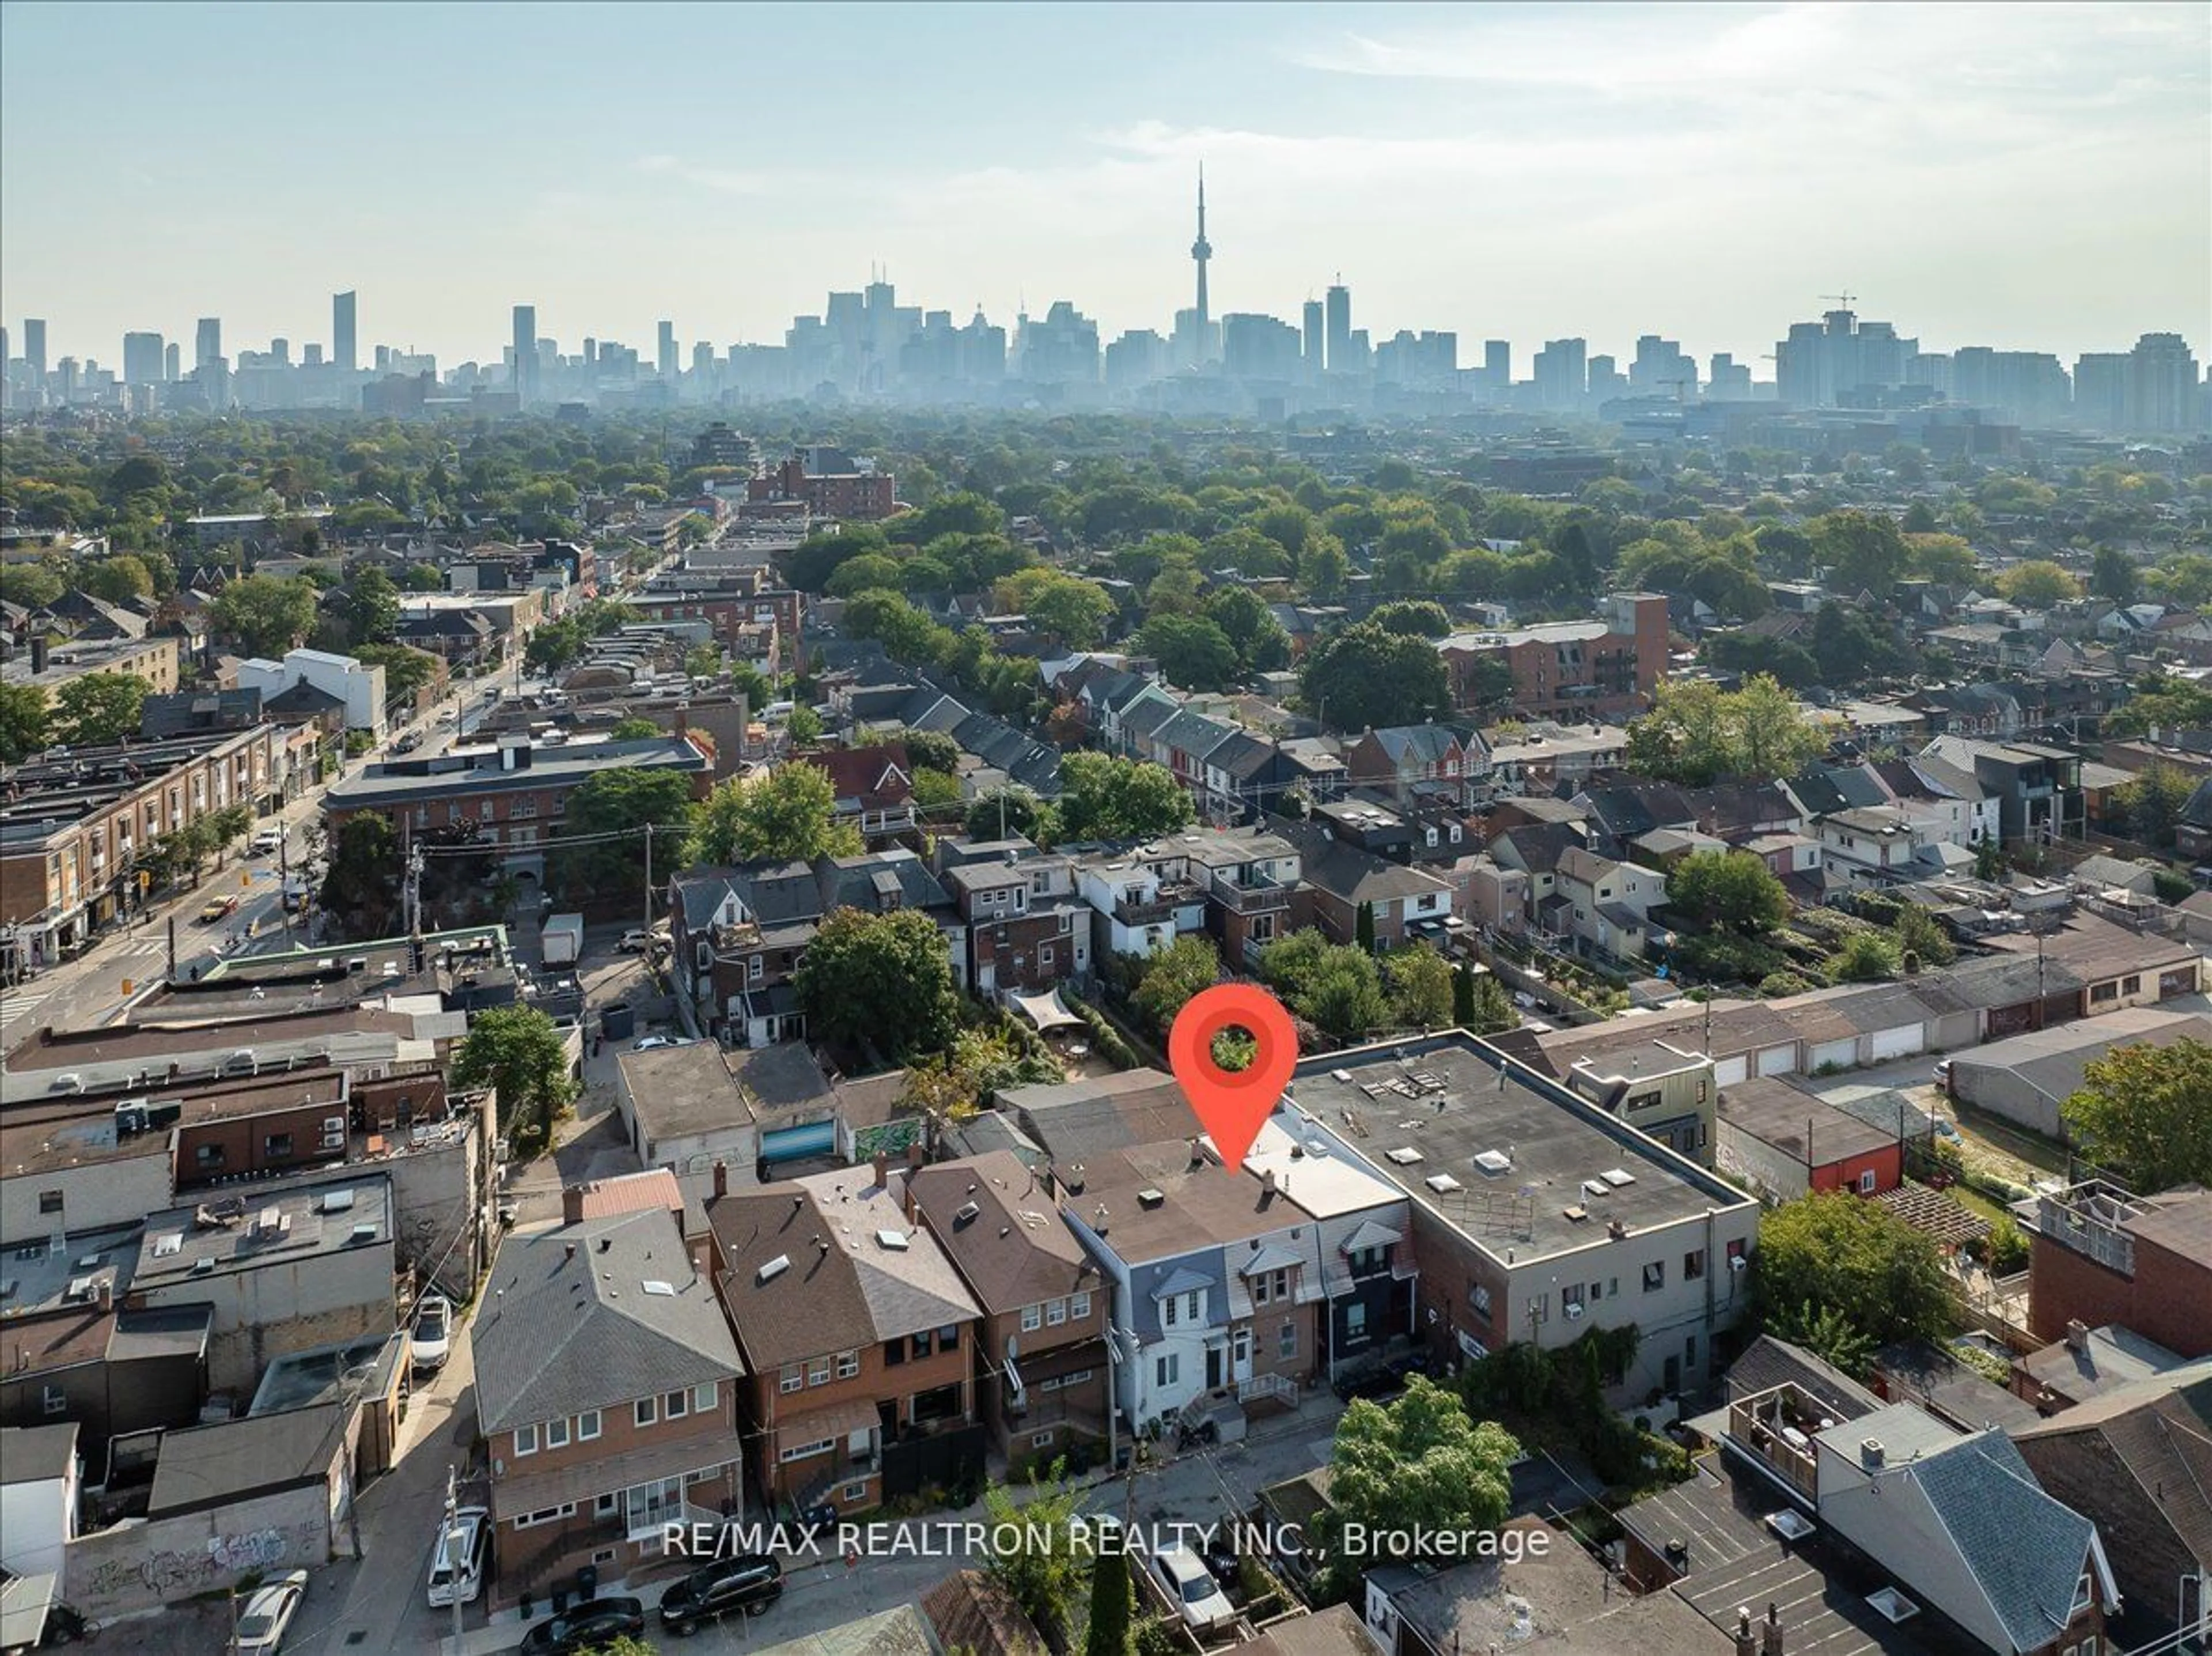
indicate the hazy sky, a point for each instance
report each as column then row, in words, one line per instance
column 2014, row 176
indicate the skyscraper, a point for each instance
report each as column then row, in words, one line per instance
column 35, row 350
column 1498, row 363
column 1200, row 251
column 142, row 359
column 669, row 367
column 342, row 347
column 173, row 362
column 1339, row 326
column 2162, row 383
column 210, row 343
column 1317, row 349
column 526, row 353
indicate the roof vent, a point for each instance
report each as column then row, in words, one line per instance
column 361, row 1234
column 1150, row 1199
column 202, row 1267
column 658, row 1288
column 966, row 1214
column 1870, row 1452
column 337, row 1202
column 1403, row 1156
column 891, row 1241
column 1493, row 1161
column 1442, row 1184
column 773, row 1269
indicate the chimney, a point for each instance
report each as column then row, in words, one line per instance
column 572, row 1203
column 2077, row 1335
column 682, row 726
column 605, row 1243
column 721, row 1179
column 915, row 1155
column 1746, row 1641
column 883, row 1170
column 1770, row 1635
column 568, row 1253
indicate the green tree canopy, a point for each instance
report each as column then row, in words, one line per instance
column 1193, row 653
column 1419, row 1463
column 2146, row 1111
column 23, row 722
column 1420, row 987
column 1420, row 618
column 879, row 983
column 1699, row 733
column 1862, row 552
column 1365, row 678
column 787, row 813
column 1728, row 891
column 361, row 891
column 1336, row 986
column 97, row 708
column 518, row 1051
column 1834, row 1249
column 372, row 606
column 118, row 578
column 1009, row 812
column 2037, row 584
column 1106, row 798
column 265, row 615
column 614, row 808
column 1172, row 976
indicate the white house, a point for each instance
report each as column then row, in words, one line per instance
column 360, row 687
column 40, row 1475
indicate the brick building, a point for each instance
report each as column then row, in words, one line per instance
column 1571, row 670
column 2098, row 1255
column 859, row 496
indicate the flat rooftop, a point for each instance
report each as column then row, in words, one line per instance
column 248, row 1232
column 138, row 1055
column 1774, row 1113
column 1497, row 1149
column 477, row 769
column 344, row 1373
column 677, row 1092
column 38, row 1276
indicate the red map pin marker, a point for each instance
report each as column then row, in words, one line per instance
column 1232, row 1103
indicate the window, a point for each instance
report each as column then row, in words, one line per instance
column 1240, row 1348
column 1167, row 1370
column 948, row 1339
column 894, row 1353
column 545, row 1515
column 1365, row 1261
column 50, row 1201
column 853, row 1491
column 525, row 1440
column 53, row 1400
column 1041, row 1439
column 1056, row 1312
column 922, row 1344
column 646, row 1410
column 605, row 1506
column 793, row 1378
column 2131, row 985
column 1655, row 1275
column 1286, row 1343
column 1032, row 1318
column 807, row 1451
column 1690, row 1352
column 1571, row 1295
column 208, row 1155
column 676, row 1405
column 556, row 1433
column 752, row 969
column 1736, row 1250
column 1355, row 1320
column 1866, row 1183
column 1479, row 1297
column 2104, row 992
column 703, row 1396
column 1168, row 1312
column 276, row 1144
column 818, row 1370
column 1190, row 1306
column 1693, row 1265
column 588, row 1425
column 1044, row 955
column 849, row 1364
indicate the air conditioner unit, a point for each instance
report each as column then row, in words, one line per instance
column 1739, row 1262
column 1575, row 1309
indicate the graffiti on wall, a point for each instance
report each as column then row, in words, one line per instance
column 171, row 1574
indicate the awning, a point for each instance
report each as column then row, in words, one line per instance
column 836, row 1420
column 1047, row 1011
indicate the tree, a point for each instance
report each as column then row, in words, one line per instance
column 870, row 572
column 1730, row 890
column 1246, row 621
column 264, row 614
column 1868, row 957
column 1833, row 1249
column 1172, row 976
column 1920, row 937
column 1782, row 660
column 1862, row 550
column 1697, row 733
column 362, row 890
column 635, row 728
column 704, row 660
column 97, row 708
column 1112, row 1599
column 2151, row 803
column 1035, row 1554
column 1421, row 986
column 933, row 750
column 1007, row 813
column 804, row 725
column 2143, row 1110
column 1064, row 606
column 789, row 814
column 406, row 669
column 1365, row 678
column 1828, row 1335
column 116, row 579
column 371, row 607
column 1420, row 1463
column 2113, row 575
column 1418, row 618
column 519, row 1052
column 2038, row 584
column 23, row 720
column 2161, row 700
column 613, row 809
column 1193, row 653
column 1105, row 798
column 879, row 983
column 1336, row 986
column 905, row 632
column 1363, row 927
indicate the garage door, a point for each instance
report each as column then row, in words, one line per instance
column 1900, row 1042
column 789, row 1143
column 1841, row 1054
column 1777, row 1059
column 1728, row 1071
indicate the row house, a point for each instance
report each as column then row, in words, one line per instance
column 1043, row 1388
column 1237, row 1288
column 1606, row 906
column 1540, row 757
column 873, row 787
column 860, row 1336
column 1244, row 886
column 1027, row 929
column 2038, row 788
column 1418, row 761
column 1407, row 903
column 606, row 1387
column 73, row 827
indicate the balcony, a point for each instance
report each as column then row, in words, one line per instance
column 1776, row 1428
column 1255, row 894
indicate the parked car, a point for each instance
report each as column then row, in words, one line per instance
column 263, row 1618
column 587, row 1626
column 269, row 839
column 432, row 1341
column 1192, row 1588
column 217, row 908
column 635, row 942
column 1942, row 1072
column 749, row 1582
column 654, row 1042
column 469, row 1536
column 408, row 743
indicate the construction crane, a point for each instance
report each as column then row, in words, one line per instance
column 1846, row 300
column 1681, row 394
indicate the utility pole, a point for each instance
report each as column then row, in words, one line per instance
column 283, row 873
column 451, row 1543
column 648, row 879
column 173, row 948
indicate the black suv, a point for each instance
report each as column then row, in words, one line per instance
column 594, row 1622
column 751, row 1582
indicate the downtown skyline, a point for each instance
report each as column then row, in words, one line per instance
column 1515, row 173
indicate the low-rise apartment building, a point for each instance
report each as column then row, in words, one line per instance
column 1571, row 670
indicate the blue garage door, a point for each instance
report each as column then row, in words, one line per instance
column 790, row 1143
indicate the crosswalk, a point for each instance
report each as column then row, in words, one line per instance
column 15, row 1006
